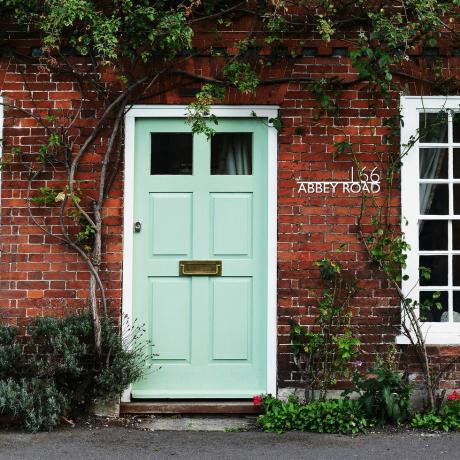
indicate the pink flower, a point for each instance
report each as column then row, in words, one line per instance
column 454, row 396
column 257, row 400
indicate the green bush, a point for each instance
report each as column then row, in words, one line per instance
column 332, row 416
column 57, row 371
column 36, row 402
column 447, row 420
column 385, row 394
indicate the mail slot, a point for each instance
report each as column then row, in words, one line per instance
column 200, row 268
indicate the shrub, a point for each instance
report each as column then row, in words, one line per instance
column 332, row 416
column 385, row 394
column 448, row 418
column 36, row 402
column 57, row 370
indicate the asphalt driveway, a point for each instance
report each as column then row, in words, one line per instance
column 119, row 443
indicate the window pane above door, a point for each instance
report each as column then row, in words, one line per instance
column 231, row 154
column 171, row 153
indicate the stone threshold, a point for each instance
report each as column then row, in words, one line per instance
column 188, row 407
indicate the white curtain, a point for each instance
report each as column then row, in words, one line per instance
column 235, row 156
column 430, row 164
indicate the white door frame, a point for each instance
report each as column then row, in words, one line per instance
column 265, row 112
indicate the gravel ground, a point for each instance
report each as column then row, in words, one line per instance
column 124, row 443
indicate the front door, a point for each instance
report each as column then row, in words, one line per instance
column 201, row 200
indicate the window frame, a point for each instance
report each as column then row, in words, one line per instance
column 440, row 333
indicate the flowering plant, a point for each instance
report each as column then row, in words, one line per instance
column 257, row 400
column 454, row 396
column 448, row 419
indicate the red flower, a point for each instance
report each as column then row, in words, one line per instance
column 257, row 400
column 454, row 396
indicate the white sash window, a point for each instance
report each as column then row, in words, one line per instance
column 430, row 202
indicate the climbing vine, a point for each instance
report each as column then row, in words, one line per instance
column 322, row 353
column 122, row 52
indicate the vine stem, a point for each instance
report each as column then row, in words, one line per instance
column 96, row 258
column 418, row 342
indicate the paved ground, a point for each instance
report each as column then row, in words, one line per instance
column 117, row 443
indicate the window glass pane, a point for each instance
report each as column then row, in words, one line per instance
column 456, row 270
column 456, row 234
column 433, row 163
column 231, row 154
column 171, row 153
column 456, row 127
column 456, row 307
column 429, row 311
column 438, row 267
column 434, row 199
column 456, row 158
column 433, row 235
column 456, row 198
column 433, row 127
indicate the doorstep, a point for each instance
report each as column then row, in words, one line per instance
column 189, row 407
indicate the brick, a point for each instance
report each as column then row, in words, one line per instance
column 38, row 272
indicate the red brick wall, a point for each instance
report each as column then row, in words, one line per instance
column 42, row 277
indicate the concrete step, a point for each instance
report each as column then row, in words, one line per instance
column 197, row 423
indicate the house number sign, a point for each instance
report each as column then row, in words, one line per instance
column 368, row 183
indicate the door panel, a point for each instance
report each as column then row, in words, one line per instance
column 171, row 305
column 204, row 200
column 232, row 312
column 231, row 215
column 172, row 218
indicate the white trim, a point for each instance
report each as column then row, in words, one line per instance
column 433, row 339
column 435, row 102
column 128, row 219
column 444, row 333
column 222, row 111
column 272, row 253
column 225, row 111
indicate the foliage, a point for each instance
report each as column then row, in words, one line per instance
column 242, row 76
column 120, row 29
column 198, row 113
column 448, row 418
column 389, row 251
column 35, row 401
column 145, row 43
column 45, row 196
column 322, row 355
column 326, row 91
column 385, row 393
column 331, row 416
column 60, row 365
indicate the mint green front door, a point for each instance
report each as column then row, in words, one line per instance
column 203, row 200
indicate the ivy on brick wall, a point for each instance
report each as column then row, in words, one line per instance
column 120, row 52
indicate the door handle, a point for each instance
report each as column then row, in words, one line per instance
column 137, row 227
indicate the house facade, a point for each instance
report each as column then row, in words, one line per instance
column 212, row 242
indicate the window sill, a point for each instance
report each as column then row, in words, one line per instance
column 433, row 339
